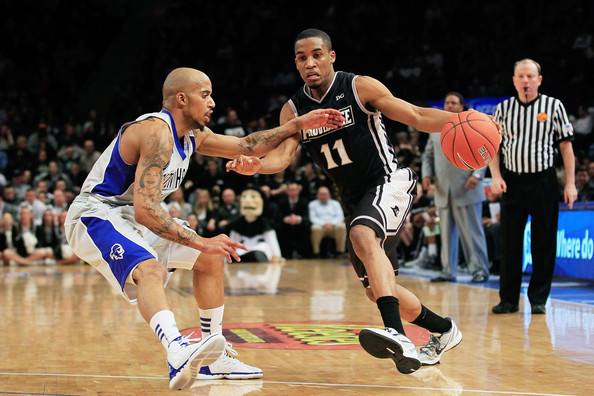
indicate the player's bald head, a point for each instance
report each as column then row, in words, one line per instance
column 182, row 79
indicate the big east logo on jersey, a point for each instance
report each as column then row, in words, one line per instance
column 347, row 113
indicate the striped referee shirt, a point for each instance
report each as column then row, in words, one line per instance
column 529, row 132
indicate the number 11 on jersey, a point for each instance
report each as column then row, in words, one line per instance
column 338, row 146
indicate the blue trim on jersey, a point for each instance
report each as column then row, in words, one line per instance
column 118, row 175
column 193, row 140
column 176, row 139
column 120, row 253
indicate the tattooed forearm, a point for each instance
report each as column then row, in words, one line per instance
column 149, row 192
column 264, row 138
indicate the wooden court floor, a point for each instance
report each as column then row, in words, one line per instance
column 64, row 332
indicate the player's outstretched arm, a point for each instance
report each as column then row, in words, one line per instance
column 261, row 142
column 424, row 119
column 154, row 152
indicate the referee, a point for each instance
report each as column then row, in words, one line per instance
column 531, row 123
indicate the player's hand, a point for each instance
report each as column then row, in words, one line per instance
column 498, row 185
column 570, row 195
column 244, row 165
column 328, row 118
column 222, row 245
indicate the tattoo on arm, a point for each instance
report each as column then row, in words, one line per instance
column 150, row 189
column 271, row 136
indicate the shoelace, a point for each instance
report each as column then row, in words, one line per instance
column 185, row 340
column 433, row 345
column 229, row 348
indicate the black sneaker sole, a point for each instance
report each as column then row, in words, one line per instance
column 383, row 347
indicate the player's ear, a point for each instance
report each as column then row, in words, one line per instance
column 181, row 98
column 332, row 56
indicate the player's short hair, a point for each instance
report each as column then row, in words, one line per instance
column 308, row 33
column 528, row 60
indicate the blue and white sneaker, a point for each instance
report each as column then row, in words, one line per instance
column 389, row 344
column 184, row 359
column 437, row 345
column 229, row 367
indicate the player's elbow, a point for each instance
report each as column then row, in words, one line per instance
column 142, row 215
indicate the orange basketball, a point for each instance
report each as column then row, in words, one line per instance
column 470, row 140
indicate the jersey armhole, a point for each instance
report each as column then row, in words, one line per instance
column 356, row 94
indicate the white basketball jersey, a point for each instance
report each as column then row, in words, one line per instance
column 111, row 179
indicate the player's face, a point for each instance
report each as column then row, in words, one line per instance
column 314, row 62
column 201, row 103
column 527, row 80
column 452, row 103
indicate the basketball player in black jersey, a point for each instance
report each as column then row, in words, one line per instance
column 375, row 193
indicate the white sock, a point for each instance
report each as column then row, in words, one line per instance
column 432, row 248
column 211, row 321
column 164, row 326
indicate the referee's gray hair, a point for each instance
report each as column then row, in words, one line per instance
column 528, row 60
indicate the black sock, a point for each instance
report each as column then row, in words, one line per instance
column 432, row 322
column 390, row 310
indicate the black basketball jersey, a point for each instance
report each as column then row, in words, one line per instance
column 357, row 156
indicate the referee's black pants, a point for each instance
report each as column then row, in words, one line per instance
column 537, row 195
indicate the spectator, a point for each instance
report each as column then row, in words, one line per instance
column 88, row 156
column 231, row 125
column 311, row 180
column 19, row 185
column 584, row 185
column 54, row 174
column 327, row 220
column 24, row 250
column 59, row 203
column 36, row 206
column 204, row 211
column 177, row 197
column 294, row 231
column 47, row 236
column 228, row 209
column 7, row 207
column 214, row 177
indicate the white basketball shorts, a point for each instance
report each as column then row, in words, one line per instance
column 108, row 238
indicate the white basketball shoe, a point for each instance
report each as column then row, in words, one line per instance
column 437, row 345
column 227, row 366
column 389, row 344
column 184, row 359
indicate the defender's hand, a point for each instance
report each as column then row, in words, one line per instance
column 244, row 165
column 328, row 118
column 222, row 245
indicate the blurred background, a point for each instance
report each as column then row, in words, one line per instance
column 61, row 59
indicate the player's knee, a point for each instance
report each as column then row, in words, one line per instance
column 149, row 270
column 209, row 263
column 362, row 238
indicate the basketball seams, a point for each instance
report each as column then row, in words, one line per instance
column 472, row 136
column 485, row 136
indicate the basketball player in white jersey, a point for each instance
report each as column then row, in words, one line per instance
column 118, row 226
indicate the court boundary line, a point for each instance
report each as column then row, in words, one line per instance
column 327, row 384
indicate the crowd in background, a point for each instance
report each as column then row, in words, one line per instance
column 86, row 68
